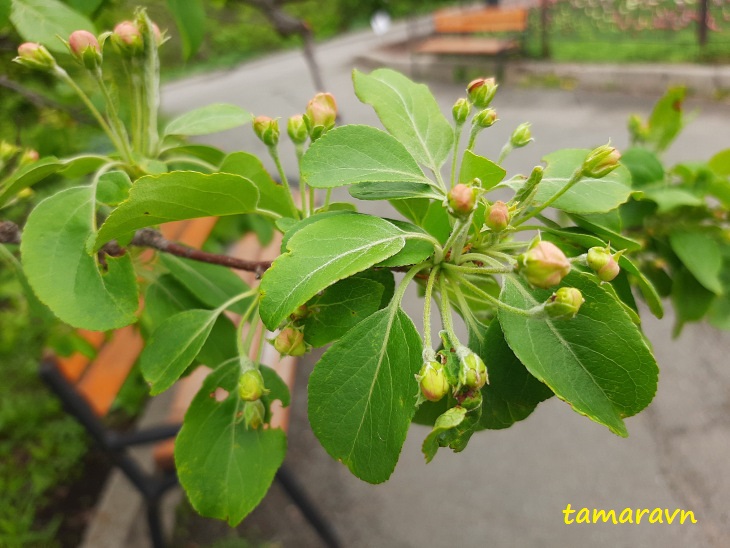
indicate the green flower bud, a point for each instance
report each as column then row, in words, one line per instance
column 638, row 129
column 28, row 157
column 485, row 118
column 564, row 303
column 603, row 263
column 254, row 414
column 481, row 91
column 251, row 385
column 460, row 111
column 601, row 161
column 526, row 193
column 35, row 56
column 290, row 342
column 7, row 151
column 266, row 129
column 521, row 136
column 85, row 48
column 543, row 265
column 432, row 381
column 320, row 115
column 473, row 371
column 128, row 38
column 462, row 200
column 497, row 216
column 297, row 129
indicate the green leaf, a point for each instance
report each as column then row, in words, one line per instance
column 322, row 253
column 5, row 6
column 358, row 154
column 393, row 191
column 720, row 163
column 167, row 297
column 212, row 284
column 512, row 393
column 665, row 121
column 272, row 196
column 669, row 198
column 437, row 222
column 177, row 196
column 475, row 166
column 190, row 18
column 42, row 20
column 87, row 7
column 339, row 308
column 598, row 361
column 690, row 299
column 113, row 188
column 413, row 209
column 362, row 393
column 26, row 177
column 385, row 278
column 644, row 165
column 225, row 468
column 64, row 276
column 595, row 224
column 206, row 153
column 209, row 119
column 586, row 196
column 449, row 420
column 409, row 112
column 172, row 347
column 700, row 253
column 416, row 249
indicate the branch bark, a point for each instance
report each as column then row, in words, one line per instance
column 149, row 238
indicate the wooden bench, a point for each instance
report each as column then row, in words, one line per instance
column 88, row 387
column 461, row 31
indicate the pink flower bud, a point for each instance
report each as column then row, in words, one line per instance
column 498, row 216
column 81, row 40
column 85, row 47
column 603, row 263
column 462, row 200
column 290, row 342
column 157, row 33
column 601, row 161
column 481, row 91
column 544, row 265
column 320, row 115
column 266, row 129
column 128, row 38
column 35, row 56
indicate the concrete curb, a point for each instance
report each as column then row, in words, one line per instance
column 705, row 81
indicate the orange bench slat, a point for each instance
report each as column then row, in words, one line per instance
column 455, row 21
column 466, row 46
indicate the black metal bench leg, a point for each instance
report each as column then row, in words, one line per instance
column 155, row 524
column 305, row 505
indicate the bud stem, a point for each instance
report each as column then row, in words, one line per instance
column 427, row 308
column 457, row 138
column 577, row 176
column 506, row 149
column 116, row 122
column 531, row 313
column 479, row 269
column 274, row 153
column 473, row 136
column 63, row 75
column 446, row 319
column 299, row 150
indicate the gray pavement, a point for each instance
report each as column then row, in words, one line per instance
column 509, row 487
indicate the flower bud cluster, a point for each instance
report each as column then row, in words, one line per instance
column 320, row 115
column 85, row 48
column 481, row 91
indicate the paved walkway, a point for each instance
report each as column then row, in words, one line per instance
column 509, row 487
